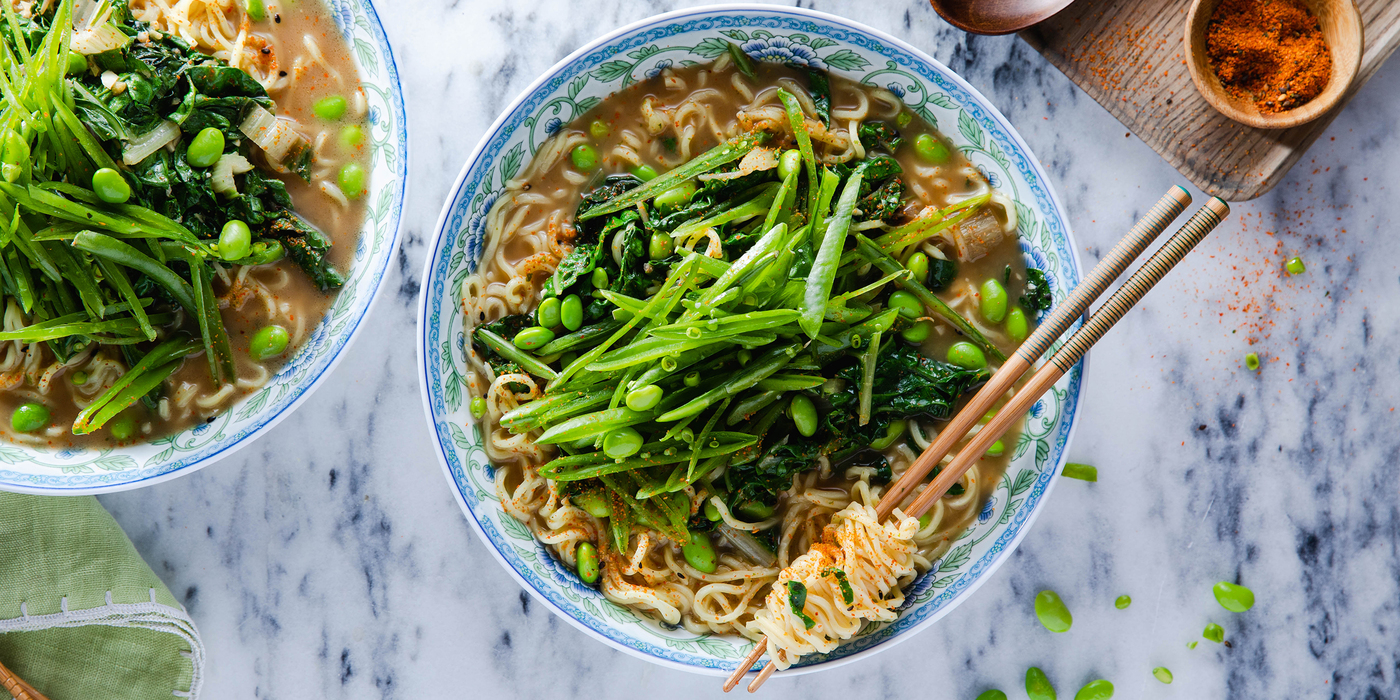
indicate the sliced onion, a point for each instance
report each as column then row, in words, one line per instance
column 748, row 544
column 277, row 138
column 141, row 147
column 228, row 165
column 99, row 39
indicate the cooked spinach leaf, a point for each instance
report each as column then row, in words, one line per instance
column 1037, row 296
column 879, row 136
column 820, row 88
column 797, row 600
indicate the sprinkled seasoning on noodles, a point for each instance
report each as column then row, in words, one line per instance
column 662, row 123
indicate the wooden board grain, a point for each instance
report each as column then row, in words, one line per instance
column 1129, row 56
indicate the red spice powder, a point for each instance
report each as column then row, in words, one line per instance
column 1270, row 51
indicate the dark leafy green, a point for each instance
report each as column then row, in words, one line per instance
column 941, row 273
column 879, row 136
column 1037, row 296
column 819, row 86
column 797, row 600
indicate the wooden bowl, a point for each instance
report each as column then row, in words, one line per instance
column 1341, row 28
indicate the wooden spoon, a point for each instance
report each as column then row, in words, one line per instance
column 996, row 16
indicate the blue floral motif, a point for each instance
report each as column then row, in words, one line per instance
column 780, row 49
column 661, row 65
column 553, row 125
column 374, row 115
column 476, row 230
column 1037, row 409
column 986, row 513
column 344, row 19
column 989, row 176
column 897, row 89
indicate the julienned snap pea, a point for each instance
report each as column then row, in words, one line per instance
column 1095, row 690
column 533, row 337
column 1038, row 686
column 804, row 415
column 587, row 557
column 1052, row 612
column 1233, row 597
column 993, row 303
column 700, row 553
column 549, row 313
column 992, row 694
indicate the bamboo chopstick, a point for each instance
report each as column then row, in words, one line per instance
column 1146, row 230
column 16, row 686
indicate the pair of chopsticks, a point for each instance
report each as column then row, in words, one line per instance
column 16, row 686
column 1109, row 269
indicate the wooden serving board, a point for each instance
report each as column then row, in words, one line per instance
column 1129, row 55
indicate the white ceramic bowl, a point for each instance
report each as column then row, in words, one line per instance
column 72, row 471
column 619, row 59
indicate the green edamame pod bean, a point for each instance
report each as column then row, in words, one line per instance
column 803, row 414
column 600, row 278
column 996, row 449
column 352, row 180
column 931, row 149
column 1016, row 324
column 550, row 313
column 30, row 417
column 80, row 378
column 645, row 173
column 122, row 427
column 925, row 520
column 599, row 129
column 110, row 186
column 622, row 443
column 966, row 355
column 909, row 305
column 571, row 312
column 700, row 553
column 644, row 398
column 1296, row 266
column 352, row 137
column 593, row 503
column 1123, row 602
column 993, row 303
column 478, row 408
column 712, row 512
column 1095, row 690
column 1162, row 674
column 918, row 269
column 1052, row 612
column 587, row 557
column 660, row 246
column 533, row 337
column 788, row 163
column 992, row 694
column 205, row 148
column 330, row 108
column 919, row 332
column 268, row 342
column 256, row 10
column 675, row 197
column 894, row 431
column 755, row 510
column 1038, row 686
column 235, row 241
column 1214, row 633
column 1233, row 597
column 584, row 156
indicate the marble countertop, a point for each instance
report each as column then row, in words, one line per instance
column 329, row 559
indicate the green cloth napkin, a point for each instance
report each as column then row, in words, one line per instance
column 81, row 615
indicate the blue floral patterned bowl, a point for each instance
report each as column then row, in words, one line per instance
column 630, row 54
column 70, row 471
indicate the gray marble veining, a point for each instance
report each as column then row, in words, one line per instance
column 330, row 561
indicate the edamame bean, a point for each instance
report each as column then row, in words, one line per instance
column 1052, row 612
column 330, row 108
column 268, row 342
column 1095, row 690
column 925, row 520
column 77, row 63
column 550, row 312
column 1162, row 674
column 909, row 305
column 919, row 332
column 1038, row 686
column 1214, row 633
column 205, row 148
column 700, row 553
column 645, row 173
column 587, row 557
column 593, row 503
column 993, row 304
column 352, row 137
column 755, row 510
column 235, row 241
column 992, row 694
column 1082, row 472
column 352, row 180
column 675, row 197
column 966, row 355
column 803, row 414
column 1233, row 597
column 660, row 246
column 571, row 312
column 585, row 158
column 122, row 427
column 788, row 163
column 931, row 149
column 692, row 379
column 1016, row 324
column 918, row 267
column 80, row 377
column 600, row 278
column 1123, row 602
column 599, row 129
column 255, row 9
column 1296, row 266
column 110, row 186
column 533, row 337
column 622, row 443
column 893, row 432
column 1251, row 361
column 996, row 449
column 712, row 512
column 478, row 408
column 644, row 398
column 30, row 417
